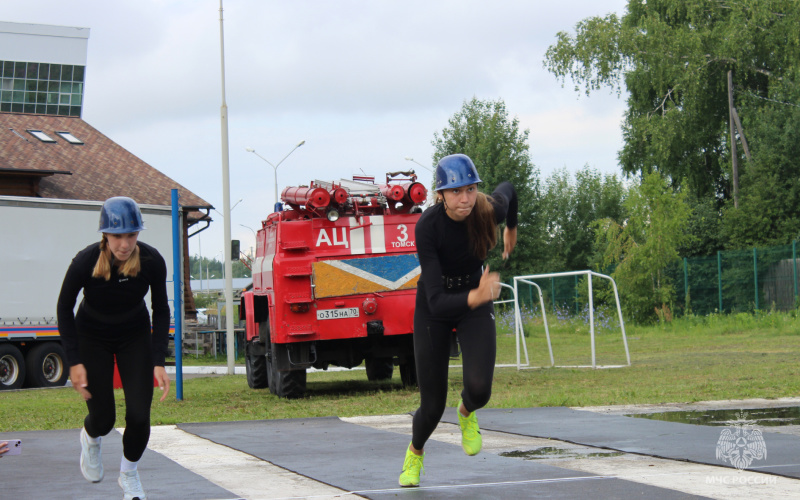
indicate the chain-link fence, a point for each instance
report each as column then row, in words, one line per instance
column 736, row 281
column 730, row 281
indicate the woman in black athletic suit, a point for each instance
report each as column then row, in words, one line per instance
column 455, row 291
column 112, row 321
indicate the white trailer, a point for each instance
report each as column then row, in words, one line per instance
column 38, row 239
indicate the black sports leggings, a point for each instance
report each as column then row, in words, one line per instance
column 477, row 338
column 132, row 349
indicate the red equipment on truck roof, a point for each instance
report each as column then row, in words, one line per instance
column 334, row 283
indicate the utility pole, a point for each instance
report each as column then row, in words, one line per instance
column 734, row 154
column 226, row 200
column 735, row 124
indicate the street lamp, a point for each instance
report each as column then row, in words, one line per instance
column 251, row 230
column 255, row 237
column 278, row 205
column 429, row 169
column 231, row 210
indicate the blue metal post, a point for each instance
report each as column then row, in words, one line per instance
column 178, row 302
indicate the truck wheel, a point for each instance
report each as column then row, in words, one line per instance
column 379, row 368
column 46, row 366
column 290, row 385
column 408, row 373
column 256, row 367
column 12, row 367
column 272, row 373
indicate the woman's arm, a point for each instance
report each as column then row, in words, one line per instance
column 159, row 303
column 65, row 308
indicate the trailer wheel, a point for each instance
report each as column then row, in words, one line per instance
column 256, row 367
column 46, row 366
column 408, row 372
column 379, row 368
column 12, row 367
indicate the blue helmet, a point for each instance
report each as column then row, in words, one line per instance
column 120, row 215
column 455, row 171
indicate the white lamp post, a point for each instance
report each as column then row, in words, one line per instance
column 278, row 205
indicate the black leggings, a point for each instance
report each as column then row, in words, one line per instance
column 135, row 364
column 477, row 338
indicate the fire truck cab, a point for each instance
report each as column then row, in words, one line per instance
column 334, row 283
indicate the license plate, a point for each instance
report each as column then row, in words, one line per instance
column 349, row 312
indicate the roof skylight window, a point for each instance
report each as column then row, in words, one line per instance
column 70, row 138
column 41, row 135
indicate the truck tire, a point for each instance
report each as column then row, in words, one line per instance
column 46, row 366
column 256, row 367
column 408, row 372
column 379, row 368
column 12, row 367
column 272, row 373
column 289, row 385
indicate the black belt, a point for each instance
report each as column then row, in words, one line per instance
column 457, row 282
column 113, row 319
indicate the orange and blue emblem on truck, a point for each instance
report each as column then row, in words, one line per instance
column 365, row 275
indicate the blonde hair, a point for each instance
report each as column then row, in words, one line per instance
column 481, row 227
column 102, row 269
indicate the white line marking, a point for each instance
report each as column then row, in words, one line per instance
column 238, row 472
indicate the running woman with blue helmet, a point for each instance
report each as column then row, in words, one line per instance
column 456, row 292
column 112, row 321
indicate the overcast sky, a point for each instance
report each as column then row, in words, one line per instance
column 365, row 84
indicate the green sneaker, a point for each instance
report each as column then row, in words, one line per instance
column 471, row 439
column 412, row 466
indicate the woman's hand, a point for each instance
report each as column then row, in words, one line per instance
column 162, row 378
column 77, row 374
column 487, row 291
column 509, row 241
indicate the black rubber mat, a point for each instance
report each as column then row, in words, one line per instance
column 368, row 461
column 49, row 468
column 694, row 443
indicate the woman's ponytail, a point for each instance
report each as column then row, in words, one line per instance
column 481, row 227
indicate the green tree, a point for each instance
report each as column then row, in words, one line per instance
column 769, row 201
column 642, row 246
column 704, row 228
column 569, row 208
column 205, row 268
column 673, row 57
column 483, row 131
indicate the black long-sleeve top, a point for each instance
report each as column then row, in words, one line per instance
column 444, row 249
column 117, row 305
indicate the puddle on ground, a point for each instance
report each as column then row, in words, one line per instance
column 552, row 452
column 761, row 417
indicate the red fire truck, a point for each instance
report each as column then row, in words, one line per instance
column 334, row 283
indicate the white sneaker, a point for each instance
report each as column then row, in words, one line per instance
column 91, row 459
column 131, row 486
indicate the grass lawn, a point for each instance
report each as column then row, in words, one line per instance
column 690, row 359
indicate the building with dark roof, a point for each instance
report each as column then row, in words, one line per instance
column 49, row 155
column 42, row 68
